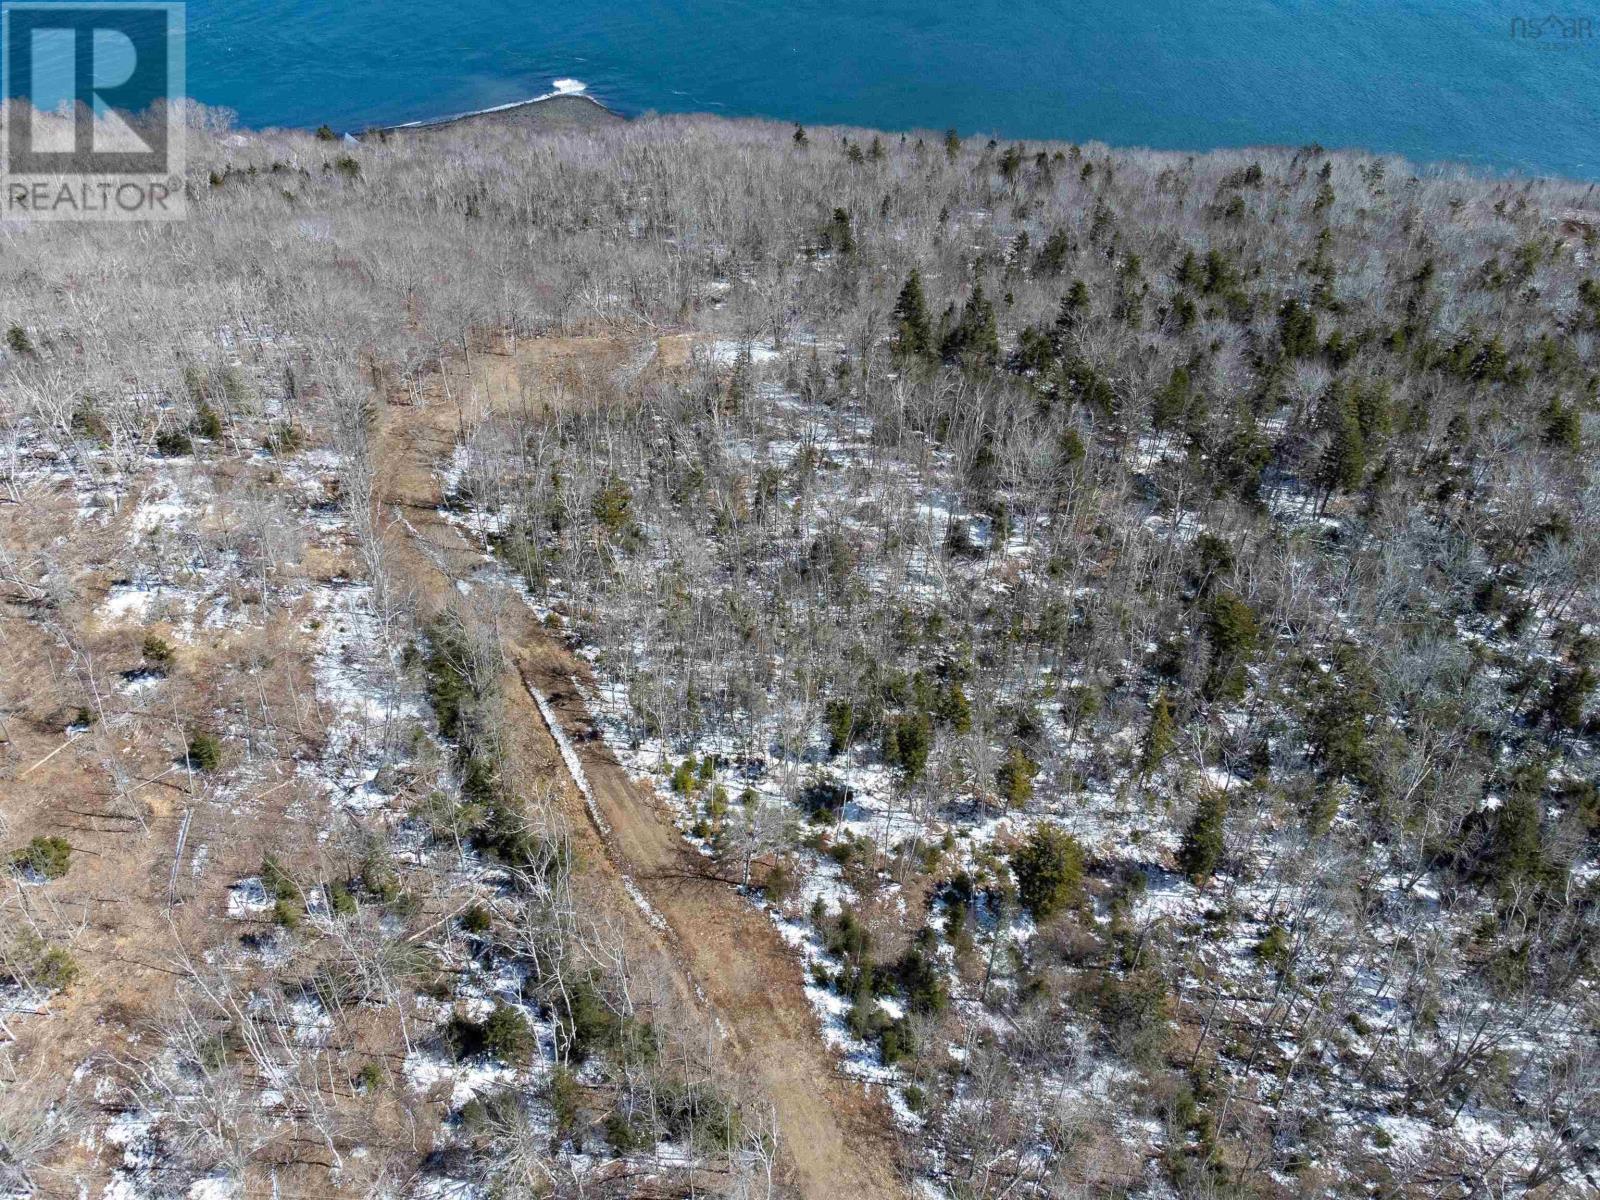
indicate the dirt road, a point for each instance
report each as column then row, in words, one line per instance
column 835, row 1140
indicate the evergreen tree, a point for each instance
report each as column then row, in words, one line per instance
column 1517, row 852
column 1373, row 414
column 1242, row 454
column 1233, row 630
column 1011, row 163
column 1201, row 851
column 506, row 1035
column 1189, row 274
column 1344, row 459
column 953, row 708
column 913, row 334
column 1161, row 735
column 1219, row 277
column 1589, row 298
column 906, row 743
column 1170, row 401
column 1082, row 704
column 975, row 338
column 1052, row 258
column 1341, row 704
column 1213, row 560
column 1569, row 692
column 1074, row 307
column 1321, row 269
column 843, row 724
column 1049, row 871
column 613, row 505
column 1015, row 779
column 1563, row 428
column 1017, row 259
column 839, row 235
column 1297, row 329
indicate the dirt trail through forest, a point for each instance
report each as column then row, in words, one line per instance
column 836, row 1142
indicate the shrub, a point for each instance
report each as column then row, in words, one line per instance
column 703, row 1111
column 205, row 751
column 88, row 423
column 285, row 438
column 174, row 443
column 779, row 882
column 214, row 1052
column 1015, row 778
column 849, row 939
column 1049, row 871
column 463, row 1037
column 288, row 900
column 919, row 976
column 1274, row 948
column 342, row 900
column 896, row 1042
column 46, row 856
column 276, row 880
column 157, row 652
column 506, row 1034
column 588, row 1023
column 613, row 505
column 208, row 421
column 1133, row 1010
column 476, row 919
column 622, row 1135
column 54, row 968
column 378, row 877
column 565, row 1099
column 286, row 913
column 236, row 386
column 500, row 1111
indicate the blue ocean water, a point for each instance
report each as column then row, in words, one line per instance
column 1441, row 80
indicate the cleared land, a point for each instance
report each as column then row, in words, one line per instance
column 835, row 1138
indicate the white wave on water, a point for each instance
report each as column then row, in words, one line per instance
column 563, row 87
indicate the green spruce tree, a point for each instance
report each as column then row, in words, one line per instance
column 1171, row 401
column 913, row 334
column 1343, row 463
column 1161, row 735
column 1201, row 851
